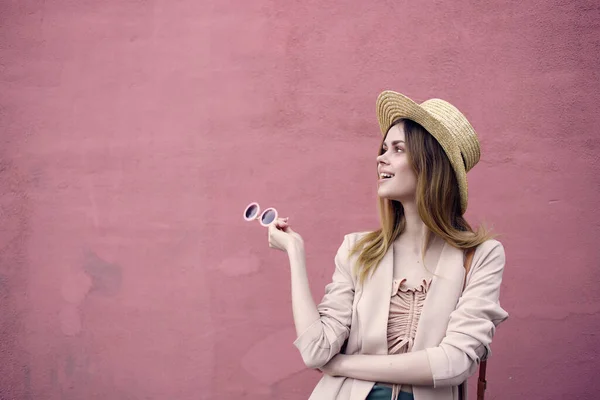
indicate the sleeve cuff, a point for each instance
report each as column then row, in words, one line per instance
column 438, row 361
column 308, row 336
column 449, row 369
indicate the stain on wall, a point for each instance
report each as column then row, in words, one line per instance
column 105, row 277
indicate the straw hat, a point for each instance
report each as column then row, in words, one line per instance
column 440, row 118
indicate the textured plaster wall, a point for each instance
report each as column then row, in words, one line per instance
column 133, row 133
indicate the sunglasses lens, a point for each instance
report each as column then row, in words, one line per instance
column 251, row 211
column 268, row 217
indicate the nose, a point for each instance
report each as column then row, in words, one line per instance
column 381, row 159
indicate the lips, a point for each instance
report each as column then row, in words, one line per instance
column 385, row 175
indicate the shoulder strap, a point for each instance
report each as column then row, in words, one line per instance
column 481, row 382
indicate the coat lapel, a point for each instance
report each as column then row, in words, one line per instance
column 442, row 297
column 375, row 307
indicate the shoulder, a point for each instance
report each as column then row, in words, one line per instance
column 490, row 253
column 489, row 246
column 350, row 239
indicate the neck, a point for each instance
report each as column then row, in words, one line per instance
column 415, row 229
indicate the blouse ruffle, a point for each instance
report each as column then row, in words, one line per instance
column 406, row 304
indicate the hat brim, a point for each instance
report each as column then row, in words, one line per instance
column 392, row 106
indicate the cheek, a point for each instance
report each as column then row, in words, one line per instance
column 405, row 169
column 406, row 173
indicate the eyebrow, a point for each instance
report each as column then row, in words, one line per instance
column 395, row 142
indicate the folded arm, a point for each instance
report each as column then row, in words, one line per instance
column 407, row 369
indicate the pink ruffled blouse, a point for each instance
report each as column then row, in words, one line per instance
column 405, row 310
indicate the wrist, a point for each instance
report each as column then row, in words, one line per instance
column 296, row 249
column 339, row 363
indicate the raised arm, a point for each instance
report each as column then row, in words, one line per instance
column 321, row 329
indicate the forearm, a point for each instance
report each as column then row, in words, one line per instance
column 407, row 369
column 303, row 305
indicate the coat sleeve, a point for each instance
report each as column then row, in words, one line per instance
column 473, row 323
column 322, row 340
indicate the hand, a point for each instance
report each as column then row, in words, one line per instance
column 332, row 368
column 282, row 237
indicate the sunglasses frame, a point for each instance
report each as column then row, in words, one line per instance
column 258, row 215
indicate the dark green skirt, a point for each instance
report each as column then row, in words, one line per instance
column 385, row 393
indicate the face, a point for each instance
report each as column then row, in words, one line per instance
column 397, row 180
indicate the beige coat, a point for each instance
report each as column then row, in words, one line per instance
column 454, row 330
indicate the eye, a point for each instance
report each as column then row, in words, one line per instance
column 397, row 149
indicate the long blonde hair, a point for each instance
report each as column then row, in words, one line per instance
column 438, row 204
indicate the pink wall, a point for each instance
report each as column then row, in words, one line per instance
column 134, row 132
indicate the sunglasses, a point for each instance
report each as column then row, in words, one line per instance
column 266, row 218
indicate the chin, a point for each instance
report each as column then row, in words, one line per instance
column 390, row 196
column 384, row 195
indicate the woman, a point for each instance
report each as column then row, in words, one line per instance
column 400, row 320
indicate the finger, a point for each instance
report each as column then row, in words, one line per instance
column 281, row 224
column 274, row 230
column 284, row 228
